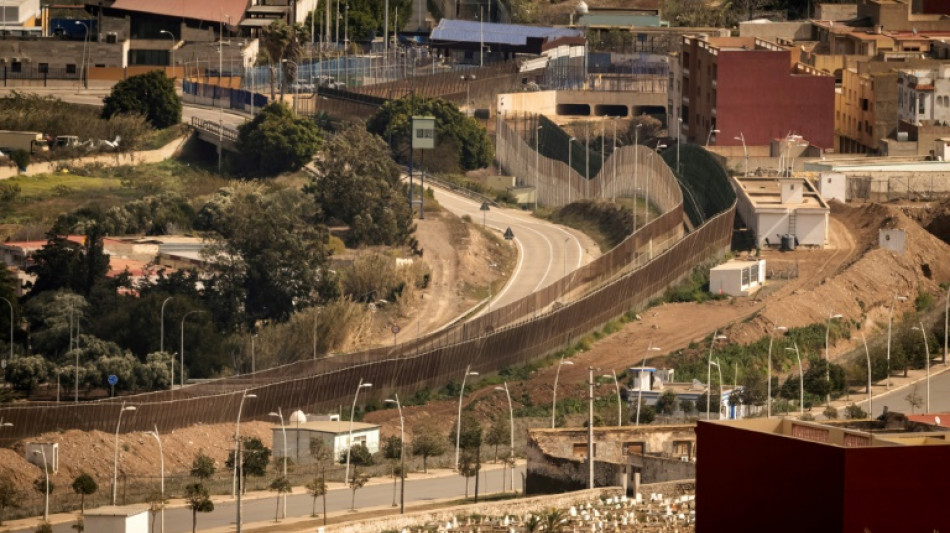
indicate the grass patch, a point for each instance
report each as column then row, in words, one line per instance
column 159, row 138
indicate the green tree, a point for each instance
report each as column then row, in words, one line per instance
column 276, row 141
column 9, row 496
column 360, row 187
column 317, row 488
column 63, row 264
column 275, row 38
column 359, row 455
column 428, row 441
column 854, row 412
column 199, row 501
column 470, row 437
column 43, row 485
column 26, row 373
column 554, row 520
column 462, row 140
column 666, row 403
column 151, row 94
column 468, row 467
column 280, row 485
column 498, row 433
column 255, row 457
column 44, row 527
column 84, row 485
column 687, row 406
column 356, row 482
column 270, row 254
column 203, row 467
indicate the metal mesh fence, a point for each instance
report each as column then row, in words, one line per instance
column 628, row 276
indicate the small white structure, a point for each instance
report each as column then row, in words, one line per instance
column 34, row 453
column 737, row 278
column 645, row 375
column 334, row 434
column 894, row 240
column 785, row 207
column 833, row 186
column 117, row 519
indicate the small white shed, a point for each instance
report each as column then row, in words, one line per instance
column 117, row 519
column 833, row 186
column 737, row 278
column 334, row 434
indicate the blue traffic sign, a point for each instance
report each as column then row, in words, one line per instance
column 113, row 379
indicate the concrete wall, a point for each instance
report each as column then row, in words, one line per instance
column 798, row 30
column 836, row 11
column 811, row 227
column 58, row 53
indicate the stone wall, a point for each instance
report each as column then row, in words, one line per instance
column 57, row 53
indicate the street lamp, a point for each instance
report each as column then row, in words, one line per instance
column 484, row 209
column 890, row 322
column 402, row 454
column 115, row 461
column 828, row 355
column 636, row 170
column 867, row 353
column 458, row 424
column 570, row 166
column 161, row 457
column 712, row 343
column 557, row 374
column 647, row 202
column 768, row 399
column 537, row 165
column 171, row 50
column 801, row 380
column 349, row 442
column 467, row 78
column 182, row 353
column 719, row 408
column 923, row 333
column 619, row 406
column 279, row 414
column 745, row 150
column 643, row 363
column 83, row 75
column 161, row 344
column 511, row 419
column 709, row 136
column 42, row 452
column 679, row 130
column 237, row 437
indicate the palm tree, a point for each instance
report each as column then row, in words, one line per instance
column 275, row 38
column 553, row 520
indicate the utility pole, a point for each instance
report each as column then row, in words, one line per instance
column 590, row 428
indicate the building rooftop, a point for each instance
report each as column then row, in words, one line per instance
column 467, row 31
column 327, row 426
column 765, row 192
column 846, row 434
column 117, row 510
column 217, row 11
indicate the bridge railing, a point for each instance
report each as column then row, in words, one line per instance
column 215, row 128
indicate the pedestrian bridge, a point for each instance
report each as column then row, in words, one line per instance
column 209, row 131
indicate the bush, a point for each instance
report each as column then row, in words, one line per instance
column 276, row 141
column 151, row 95
column 854, row 412
column 21, row 158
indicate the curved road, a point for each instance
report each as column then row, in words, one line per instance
column 546, row 251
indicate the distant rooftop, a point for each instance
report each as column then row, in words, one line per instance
column 765, row 192
column 467, row 31
column 850, row 434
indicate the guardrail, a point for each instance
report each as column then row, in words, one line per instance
column 217, row 129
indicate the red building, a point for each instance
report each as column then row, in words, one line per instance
column 746, row 87
column 782, row 475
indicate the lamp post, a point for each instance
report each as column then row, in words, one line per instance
column 712, row 343
column 511, row 420
column 402, row 455
column 161, row 342
column 237, row 439
column 643, row 363
column 828, row 355
column 590, row 427
column 161, row 459
column 923, row 333
column 867, row 354
column 467, row 78
column 636, row 170
column 484, row 209
column 768, row 399
column 709, row 136
column 458, row 424
column 537, row 165
column 182, row 378
column 349, row 442
column 115, row 460
column 283, row 428
column 679, row 129
column 647, row 202
column 890, row 322
column 745, row 150
column 719, row 370
column 557, row 374
column 83, row 75
column 171, row 50
column 801, row 380
column 613, row 375
column 570, row 166
column 42, row 452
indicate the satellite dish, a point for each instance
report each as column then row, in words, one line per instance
column 937, row 420
column 581, row 7
column 298, row 417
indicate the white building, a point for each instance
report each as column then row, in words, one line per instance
column 923, row 95
column 737, row 278
column 117, row 519
column 17, row 16
column 334, row 434
column 774, row 208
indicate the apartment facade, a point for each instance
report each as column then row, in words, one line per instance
column 737, row 87
column 923, row 95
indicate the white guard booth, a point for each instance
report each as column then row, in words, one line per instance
column 737, row 277
column 117, row 519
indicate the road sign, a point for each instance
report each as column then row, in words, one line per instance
column 423, row 133
column 113, row 379
column 395, row 329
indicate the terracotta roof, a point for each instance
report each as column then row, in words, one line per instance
column 926, row 87
column 209, row 10
column 932, row 419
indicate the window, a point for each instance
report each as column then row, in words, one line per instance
column 682, row 448
column 44, row 68
column 71, row 68
column 634, row 448
column 580, row 449
column 921, row 105
column 16, row 66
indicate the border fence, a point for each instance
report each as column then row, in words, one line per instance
column 512, row 335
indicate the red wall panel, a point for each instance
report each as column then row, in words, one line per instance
column 756, row 95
